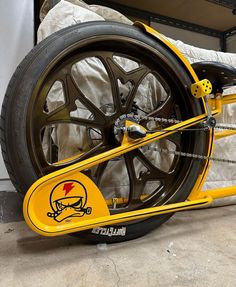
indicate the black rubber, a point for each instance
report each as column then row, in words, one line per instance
column 14, row 145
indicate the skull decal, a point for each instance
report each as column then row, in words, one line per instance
column 68, row 199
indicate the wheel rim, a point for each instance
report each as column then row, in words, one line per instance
column 148, row 185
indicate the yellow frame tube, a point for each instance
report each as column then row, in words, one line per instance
column 129, row 146
column 197, row 192
column 118, row 218
column 224, row 134
column 219, row 192
column 229, row 99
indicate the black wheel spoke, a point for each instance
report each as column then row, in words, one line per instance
column 99, row 172
column 56, row 119
column 136, row 185
column 136, row 78
column 74, row 93
column 85, row 155
column 165, row 110
column 175, row 139
column 93, row 151
column 45, row 167
column 116, row 73
column 153, row 171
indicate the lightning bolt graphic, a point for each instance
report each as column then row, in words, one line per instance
column 68, row 187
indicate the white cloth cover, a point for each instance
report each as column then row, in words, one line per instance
column 70, row 12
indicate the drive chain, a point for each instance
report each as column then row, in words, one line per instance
column 202, row 126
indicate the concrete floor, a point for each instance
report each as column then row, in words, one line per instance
column 196, row 248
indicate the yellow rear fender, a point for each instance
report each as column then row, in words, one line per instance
column 175, row 51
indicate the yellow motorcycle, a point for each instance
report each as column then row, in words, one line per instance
column 107, row 130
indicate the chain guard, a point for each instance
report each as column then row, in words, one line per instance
column 61, row 203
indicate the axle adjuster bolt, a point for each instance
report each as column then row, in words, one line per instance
column 136, row 132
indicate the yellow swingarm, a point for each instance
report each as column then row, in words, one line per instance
column 68, row 201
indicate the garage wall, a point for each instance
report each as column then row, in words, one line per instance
column 188, row 37
column 16, row 31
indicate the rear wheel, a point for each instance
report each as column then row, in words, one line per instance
column 67, row 96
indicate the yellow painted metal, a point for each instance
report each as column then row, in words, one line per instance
column 224, row 134
column 216, row 105
column 79, row 225
column 218, row 192
column 196, row 191
column 122, row 200
column 59, row 204
column 69, row 159
column 220, row 100
column 167, row 43
column 201, row 88
column 229, row 99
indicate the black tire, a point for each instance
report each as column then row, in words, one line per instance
column 21, row 160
